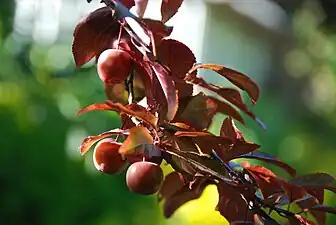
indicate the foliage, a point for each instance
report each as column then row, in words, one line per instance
column 167, row 120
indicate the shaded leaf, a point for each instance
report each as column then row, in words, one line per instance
column 94, row 34
column 132, row 110
column 206, row 141
column 266, row 180
column 315, row 184
column 229, row 129
column 227, row 109
column 231, row 205
column 169, row 8
column 200, row 110
column 183, row 196
column 158, row 28
column 176, row 56
column 138, row 136
column 318, row 193
column 91, row 140
column 229, row 94
column 314, row 180
column 270, row 159
column 127, row 3
column 238, row 149
column 202, row 164
column 240, row 80
column 324, row 208
column 196, row 111
column 172, row 183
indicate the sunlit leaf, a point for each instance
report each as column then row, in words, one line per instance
column 91, row 140
column 138, row 136
column 132, row 110
column 240, row 80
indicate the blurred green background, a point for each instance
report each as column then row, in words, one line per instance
column 288, row 47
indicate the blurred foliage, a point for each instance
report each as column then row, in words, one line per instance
column 44, row 180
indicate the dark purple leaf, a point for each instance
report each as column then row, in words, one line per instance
column 94, row 34
column 169, row 8
column 270, row 159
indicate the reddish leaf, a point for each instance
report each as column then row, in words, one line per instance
column 231, row 205
column 205, row 140
column 298, row 195
column 239, row 148
column 91, row 140
column 185, row 144
column 169, row 8
column 240, row 80
column 158, row 28
column 200, row 110
column 318, row 193
column 266, row 180
column 127, row 3
column 229, row 94
column 145, row 73
column 196, row 111
column 229, row 129
column 93, row 34
column 132, row 110
column 203, row 164
column 168, row 88
column 172, row 183
column 138, row 136
column 176, row 56
column 183, row 196
column 223, row 107
column 192, row 134
column 270, row 159
column 184, row 89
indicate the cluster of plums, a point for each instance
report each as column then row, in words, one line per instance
column 142, row 177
